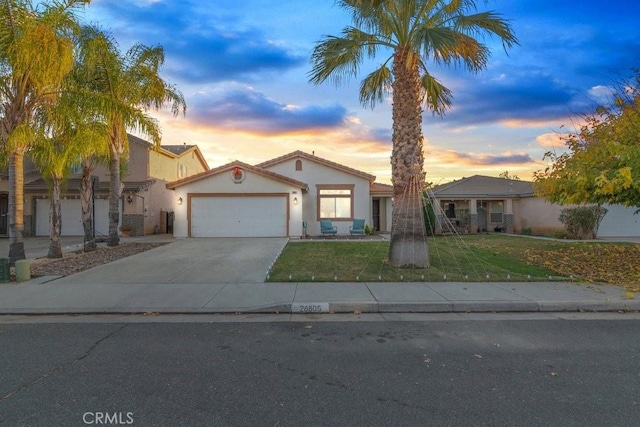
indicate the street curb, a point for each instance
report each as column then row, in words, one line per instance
column 364, row 307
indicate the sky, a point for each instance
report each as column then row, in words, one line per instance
column 243, row 68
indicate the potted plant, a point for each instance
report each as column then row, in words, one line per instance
column 126, row 230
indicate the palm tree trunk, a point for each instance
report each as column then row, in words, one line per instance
column 114, row 198
column 16, row 206
column 86, row 197
column 55, row 221
column 408, row 246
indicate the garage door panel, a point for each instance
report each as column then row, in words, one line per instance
column 71, row 213
column 252, row 216
column 619, row 221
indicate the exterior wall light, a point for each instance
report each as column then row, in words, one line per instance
column 129, row 199
column 295, row 200
column 179, row 200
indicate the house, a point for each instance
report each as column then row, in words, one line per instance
column 483, row 203
column 146, row 204
column 286, row 196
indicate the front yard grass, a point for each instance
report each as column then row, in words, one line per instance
column 467, row 258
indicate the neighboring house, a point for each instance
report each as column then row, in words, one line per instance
column 286, row 196
column 146, row 204
column 483, row 203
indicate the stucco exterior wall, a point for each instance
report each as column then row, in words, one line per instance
column 537, row 214
column 167, row 168
column 314, row 174
column 222, row 183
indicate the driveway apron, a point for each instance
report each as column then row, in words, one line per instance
column 194, row 260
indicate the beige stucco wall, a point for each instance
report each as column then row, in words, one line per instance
column 164, row 167
column 537, row 214
column 313, row 174
column 222, row 183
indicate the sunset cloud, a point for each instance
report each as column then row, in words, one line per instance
column 243, row 67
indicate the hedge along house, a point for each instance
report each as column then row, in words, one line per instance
column 146, row 204
column 283, row 197
column 482, row 203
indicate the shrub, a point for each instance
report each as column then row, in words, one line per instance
column 429, row 216
column 582, row 222
column 526, row 231
column 560, row 234
column 367, row 229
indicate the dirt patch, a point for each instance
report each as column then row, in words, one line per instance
column 76, row 262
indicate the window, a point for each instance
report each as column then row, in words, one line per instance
column 496, row 212
column 182, row 170
column 451, row 210
column 298, row 165
column 335, row 202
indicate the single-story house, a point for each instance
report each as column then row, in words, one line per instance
column 146, row 204
column 483, row 203
column 286, row 196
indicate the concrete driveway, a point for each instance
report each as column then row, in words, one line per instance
column 196, row 260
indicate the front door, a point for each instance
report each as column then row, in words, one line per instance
column 375, row 214
column 4, row 212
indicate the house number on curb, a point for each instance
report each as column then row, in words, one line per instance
column 319, row 307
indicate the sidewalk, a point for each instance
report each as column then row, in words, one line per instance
column 39, row 297
column 82, row 294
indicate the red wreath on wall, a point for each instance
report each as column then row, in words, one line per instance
column 237, row 173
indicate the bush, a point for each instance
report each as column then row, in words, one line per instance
column 526, row 231
column 582, row 222
column 560, row 234
column 429, row 216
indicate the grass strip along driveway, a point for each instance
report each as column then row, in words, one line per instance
column 467, row 258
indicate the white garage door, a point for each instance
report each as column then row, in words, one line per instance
column 254, row 216
column 620, row 222
column 71, row 212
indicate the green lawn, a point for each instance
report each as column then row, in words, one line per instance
column 466, row 258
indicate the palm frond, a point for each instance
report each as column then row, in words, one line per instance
column 437, row 97
column 375, row 86
column 489, row 22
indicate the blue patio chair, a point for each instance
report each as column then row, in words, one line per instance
column 357, row 227
column 327, row 228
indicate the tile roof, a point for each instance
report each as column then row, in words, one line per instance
column 379, row 188
column 485, row 186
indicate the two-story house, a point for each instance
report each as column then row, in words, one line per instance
column 146, row 204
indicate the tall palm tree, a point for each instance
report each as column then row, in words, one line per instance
column 130, row 85
column 414, row 33
column 36, row 53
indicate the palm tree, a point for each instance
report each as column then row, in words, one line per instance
column 414, row 32
column 130, row 86
column 70, row 135
column 36, row 53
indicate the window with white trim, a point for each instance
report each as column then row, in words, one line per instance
column 496, row 212
column 182, row 170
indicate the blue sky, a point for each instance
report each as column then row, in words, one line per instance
column 243, row 67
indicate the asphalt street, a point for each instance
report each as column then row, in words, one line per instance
column 456, row 370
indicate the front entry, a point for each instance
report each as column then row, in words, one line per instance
column 4, row 213
column 375, row 214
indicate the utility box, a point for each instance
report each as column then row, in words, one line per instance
column 5, row 270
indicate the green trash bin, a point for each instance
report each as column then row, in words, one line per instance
column 5, row 270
